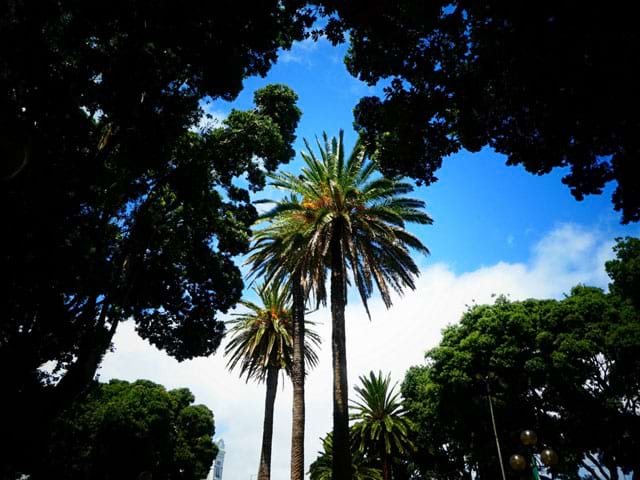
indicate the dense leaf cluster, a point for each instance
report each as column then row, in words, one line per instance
column 115, row 204
column 123, row 429
column 549, row 84
column 361, row 467
column 569, row 369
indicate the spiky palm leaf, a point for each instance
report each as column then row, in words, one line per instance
column 261, row 337
column 380, row 427
column 333, row 196
column 320, row 469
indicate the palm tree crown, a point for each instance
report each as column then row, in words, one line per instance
column 320, row 469
column 261, row 337
column 337, row 199
column 381, row 428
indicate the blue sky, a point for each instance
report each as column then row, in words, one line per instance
column 483, row 210
column 497, row 229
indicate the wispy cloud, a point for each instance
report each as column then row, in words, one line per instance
column 393, row 341
column 211, row 118
column 510, row 239
column 302, row 52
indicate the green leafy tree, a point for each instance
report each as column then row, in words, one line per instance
column 261, row 345
column 157, row 247
column 341, row 217
column 530, row 81
column 624, row 270
column 116, row 208
column 122, row 429
column 567, row 368
column 381, row 428
column 361, row 469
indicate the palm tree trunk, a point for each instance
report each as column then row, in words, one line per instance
column 341, row 467
column 264, row 473
column 297, row 380
column 386, row 465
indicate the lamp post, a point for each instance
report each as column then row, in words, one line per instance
column 548, row 456
column 493, row 421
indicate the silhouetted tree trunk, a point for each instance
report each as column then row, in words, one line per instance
column 297, row 380
column 264, row 472
column 386, row 465
column 341, row 467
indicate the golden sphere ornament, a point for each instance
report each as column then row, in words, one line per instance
column 528, row 437
column 517, row 462
column 549, row 457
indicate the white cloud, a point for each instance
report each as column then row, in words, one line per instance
column 302, row 52
column 394, row 340
column 211, row 118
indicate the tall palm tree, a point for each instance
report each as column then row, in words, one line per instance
column 381, row 429
column 276, row 256
column 261, row 345
column 342, row 217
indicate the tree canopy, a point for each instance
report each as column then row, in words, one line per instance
column 549, row 84
column 117, row 203
column 567, row 369
column 122, row 429
column 624, row 270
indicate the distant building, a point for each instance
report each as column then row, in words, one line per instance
column 216, row 469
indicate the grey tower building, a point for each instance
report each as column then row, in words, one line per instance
column 216, row 469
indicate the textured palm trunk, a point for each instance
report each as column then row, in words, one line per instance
column 297, row 380
column 386, row 465
column 341, row 466
column 264, row 473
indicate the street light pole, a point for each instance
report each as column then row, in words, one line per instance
column 495, row 430
column 548, row 456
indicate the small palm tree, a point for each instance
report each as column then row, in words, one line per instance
column 342, row 218
column 321, row 468
column 261, row 345
column 381, row 429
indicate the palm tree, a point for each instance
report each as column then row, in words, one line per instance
column 381, row 429
column 342, row 217
column 261, row 345
column 321, row 468
column 277, row 253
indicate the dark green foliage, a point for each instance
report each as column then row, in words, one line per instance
column 361, row 466
column 549, row 84
column 112, row 207
column 381, row 429
column 568, row 369
column 122, row 429
column 624, row 270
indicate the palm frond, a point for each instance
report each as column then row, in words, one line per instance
column 380, row 425
column 261, row 337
